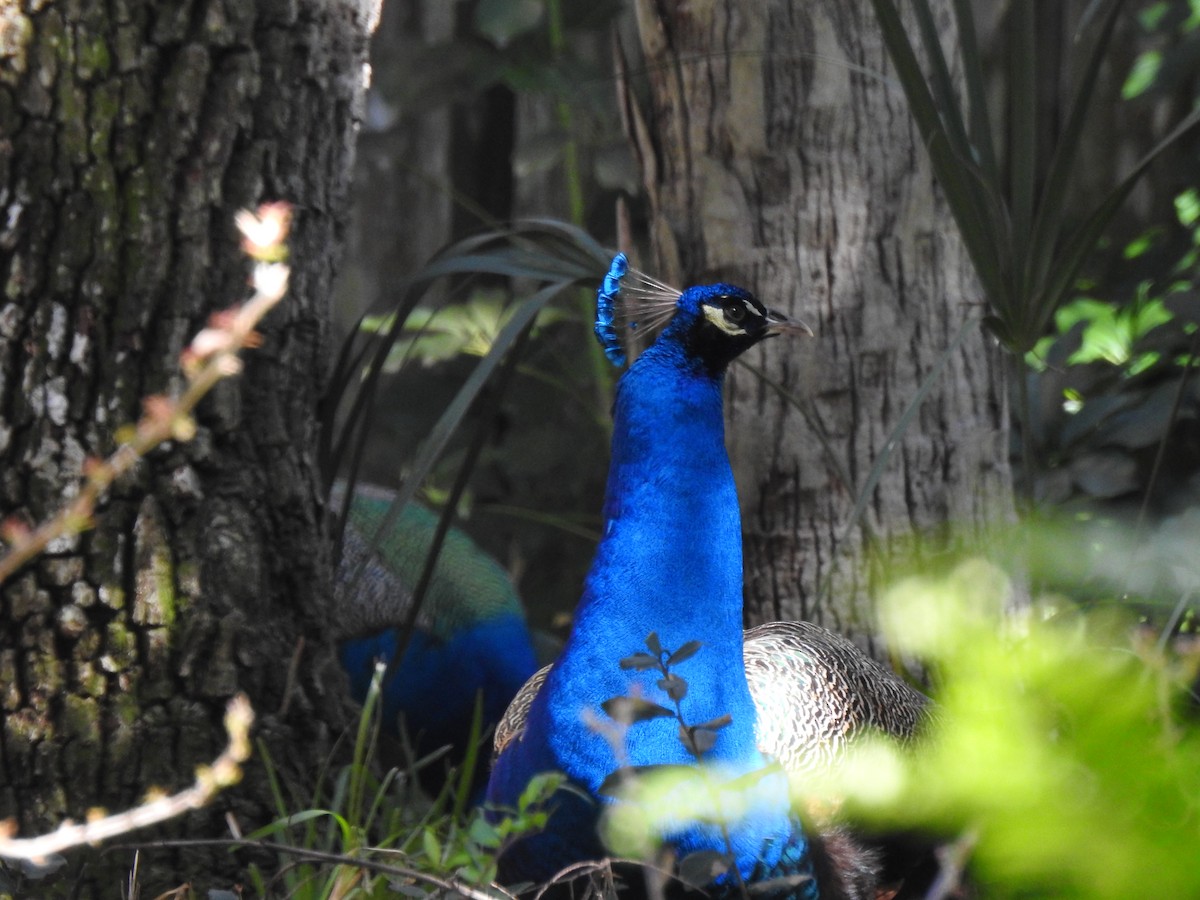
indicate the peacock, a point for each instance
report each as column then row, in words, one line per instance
column 669, row 564
column 470, row 645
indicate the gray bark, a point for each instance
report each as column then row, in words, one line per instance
column 131, row 132
column 780, row 154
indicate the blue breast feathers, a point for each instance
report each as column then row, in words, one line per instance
column 669, row 562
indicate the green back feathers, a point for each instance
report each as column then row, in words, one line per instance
column 467, row 585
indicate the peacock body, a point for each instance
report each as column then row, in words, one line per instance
column 470, row 644
column 669, row 562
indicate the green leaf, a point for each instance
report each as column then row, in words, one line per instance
column 972, row 60
column 1023, row 105
column 541, row 788
column 1044, row 246
column 702, row 867
column 630, row 710
column 483, row 833
column 1143, row 74
column 297, row 819
column 716, row 724
column 621, row 781
column 640, row 662
column 433, row 849
column 1084, row 238
column 653, row 643
column 944, row 89
column 675, row 687
column 751, row 779
column 687, row 651
column 973, row 201
column 697, row 740
column 1187, row 207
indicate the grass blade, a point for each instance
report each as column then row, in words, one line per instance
column 980, row 120
column 432, row 447
column 943, row 85
column 897, row 433
column 1047, row 226
column 982, row 229
column 1023, row 97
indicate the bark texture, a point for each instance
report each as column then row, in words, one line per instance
column 778, row 154
column 131, row 132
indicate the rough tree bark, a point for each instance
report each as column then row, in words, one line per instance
column 778, row 154
column 130, row 132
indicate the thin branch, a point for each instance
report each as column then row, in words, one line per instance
column 341, row 859
column 211, row 356
column 953, row 859
column 225, row 771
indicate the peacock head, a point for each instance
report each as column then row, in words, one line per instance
column 711, row 323
column 716, row 323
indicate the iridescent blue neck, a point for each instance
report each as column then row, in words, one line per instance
column 669, row 562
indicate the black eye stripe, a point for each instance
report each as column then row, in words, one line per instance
column 737, row 310
column 734, row 310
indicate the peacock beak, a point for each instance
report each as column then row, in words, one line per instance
column 778, row 323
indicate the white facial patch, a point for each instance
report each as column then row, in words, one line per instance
column 716, row 315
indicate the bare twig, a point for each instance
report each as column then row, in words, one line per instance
column 303, row 853
column 952, row 858
column 211, row 356
column 604, row 868
column 226, row 770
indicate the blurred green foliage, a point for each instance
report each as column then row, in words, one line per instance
column 1065, row 751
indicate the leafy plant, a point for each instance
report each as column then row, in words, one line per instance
column 367, row 834
column 434, row 335
column 548, row 258
column 1063, row 753
column 1013, row 214
column 1026, row 252
column 1113, row 388
column 696, row 739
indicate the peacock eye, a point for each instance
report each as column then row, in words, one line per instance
column 735, row 313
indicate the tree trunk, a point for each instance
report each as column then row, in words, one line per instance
column 131, row 133
column 779, row 154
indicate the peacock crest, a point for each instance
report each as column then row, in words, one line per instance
column 629, row 298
